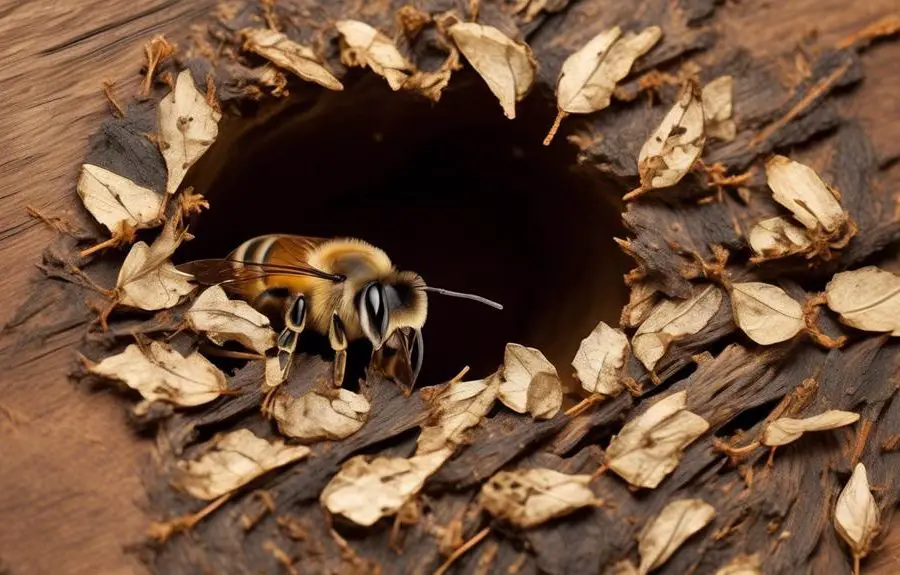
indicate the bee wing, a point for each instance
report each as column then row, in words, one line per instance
column 230, row 271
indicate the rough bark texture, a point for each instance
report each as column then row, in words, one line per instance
column 72, row 481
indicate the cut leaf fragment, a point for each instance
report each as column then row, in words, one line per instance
column 529, row 497
column 116, row 201
column 365, row 491
column 507, row 67
column 235, row 459
column 457, row 408
column 856, row 515
column 765, row 312
column 159, row 373
column 670, row 529
column 867, row 299
column 599, row 360
column 717, row 109
column 321, row 414
column 742, row 565
column 285, row 53
column 649, row 446
column 530, row 382
column 363, row 45
column 777, row 238
column 187, row 127
column 798, row 188
column 223, row 319
column 147, row 279
column 785, row 430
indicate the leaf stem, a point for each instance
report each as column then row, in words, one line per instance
column 560, row 116
column 462, row 550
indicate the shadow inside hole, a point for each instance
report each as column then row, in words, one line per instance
column 455, row 191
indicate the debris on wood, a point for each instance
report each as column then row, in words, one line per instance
column 778, row 237
column 455, row 409
column 285, row 53
column 530, row 382
column 856, row 515
column 717, row 109
column 529, row 497
column 222, row 320
column 867, row 299
column 320, row 414
column 117, row 202
column 785, row 430
column 600, row 359
column 147, row 279
column 662, row 537
column 766, row 313
column 362, row 45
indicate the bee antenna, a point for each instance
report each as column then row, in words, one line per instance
column 470, row 296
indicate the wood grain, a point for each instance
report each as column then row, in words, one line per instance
column 70, row 494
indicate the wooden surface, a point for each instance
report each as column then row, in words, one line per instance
column 70, row 494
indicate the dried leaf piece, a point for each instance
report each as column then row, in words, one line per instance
column 649, row 446
column 457, row 408
column 235, row 459
column 529, row 497
column 159, row 373
column 363, row 45
column 320, row 414
column 187, row 126
column 778, row 237
column 742, row 565
column 147, row 280
column 599, row 360
column 642, row 298
column 765, row 312
column 669, row 153
column 364, row 492
column 671, row 320
column 670, row 529
column 856, row 516
column 530, row 382
column 285, row 53
column 799, row 189
column 432, row 84
column 717, row 109
column 223, row 319
column 867, row 299
column 507, row 67
column 116, row 201
column 785, row 430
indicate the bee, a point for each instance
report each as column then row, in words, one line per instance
column 342, row 288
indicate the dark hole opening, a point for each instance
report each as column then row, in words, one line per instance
column 455, row 191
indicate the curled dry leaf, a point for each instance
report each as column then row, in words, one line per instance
column 799, row 189
column 285, row 53
column 742, row 565
column 867, row 299
column 507, row 67
column 529, row 497
column 147, row 279
column 363, row 45
column 778, row 237
column 671, row 320
column 670, row 529
column 649, row 446
column 670, row 152
column 599, row 360
column 187, row 126
column 457, row 408
column 785, row 430
column 223, row 319
column 717, row 109
column 234, row 459
column 320, row 414
column 530, row 382
column 856, row 516
column 116, row 201
column 765, row 312
column 364, row 491
column 159, row 373
column 641, row 300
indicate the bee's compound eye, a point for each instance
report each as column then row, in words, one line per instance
column 373, row 300
column 376, row 308
column 297, row 313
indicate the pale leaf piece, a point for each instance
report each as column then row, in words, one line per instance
column 363, row 45
column 742, row 565
column 765, row 312
column 365, row 491
column 641, row 300
column 223, row 319
column 320, row 414
column 529, row 497
column 116, row 201
column 236, row 458
column 285, row 53
column 674, row 319
column 187, row 127
column 457, row 408
column 670, row 152
column 717, row 109
column 799, row 189
column 599, row 360
column 856, row 515
column 530, row 382
column 662, row 536
column 507, row 67
column 649, row 446
column 867, row 299
column 159, row 373
column 147, row 280
column 785, row 430
column 778, row 237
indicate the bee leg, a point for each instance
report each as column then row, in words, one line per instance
column 338, row 340
column 286, row 346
